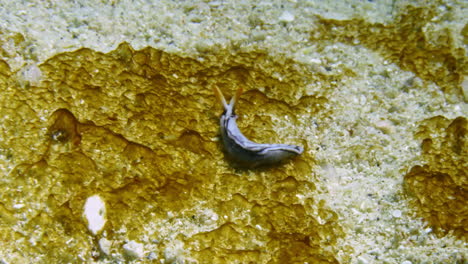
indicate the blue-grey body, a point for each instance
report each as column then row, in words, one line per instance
column 243, row 151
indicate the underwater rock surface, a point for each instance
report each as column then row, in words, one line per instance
column 111, row 153
column 440, row 186
column 139, row 129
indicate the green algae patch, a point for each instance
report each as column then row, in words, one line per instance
column 439, row 187
column 139, row 128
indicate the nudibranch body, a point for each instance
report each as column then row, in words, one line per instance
column 244, row 151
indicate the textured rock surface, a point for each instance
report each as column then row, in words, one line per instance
column 139, row 128
column 415, row 42
column 83, row 113
column 440, row 186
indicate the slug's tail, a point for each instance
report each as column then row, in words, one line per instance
column 229, row 108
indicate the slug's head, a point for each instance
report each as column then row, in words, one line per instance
column 228, row 108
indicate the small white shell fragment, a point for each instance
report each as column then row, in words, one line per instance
column 385, row 126
column 362, row 260
column 174, row 251
column 94, row 212
column 396, row 213
column 105, row 245
column 464, row 86
column 286, row 16
column 134, row 249
column 18, row 206
column 32, row 74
